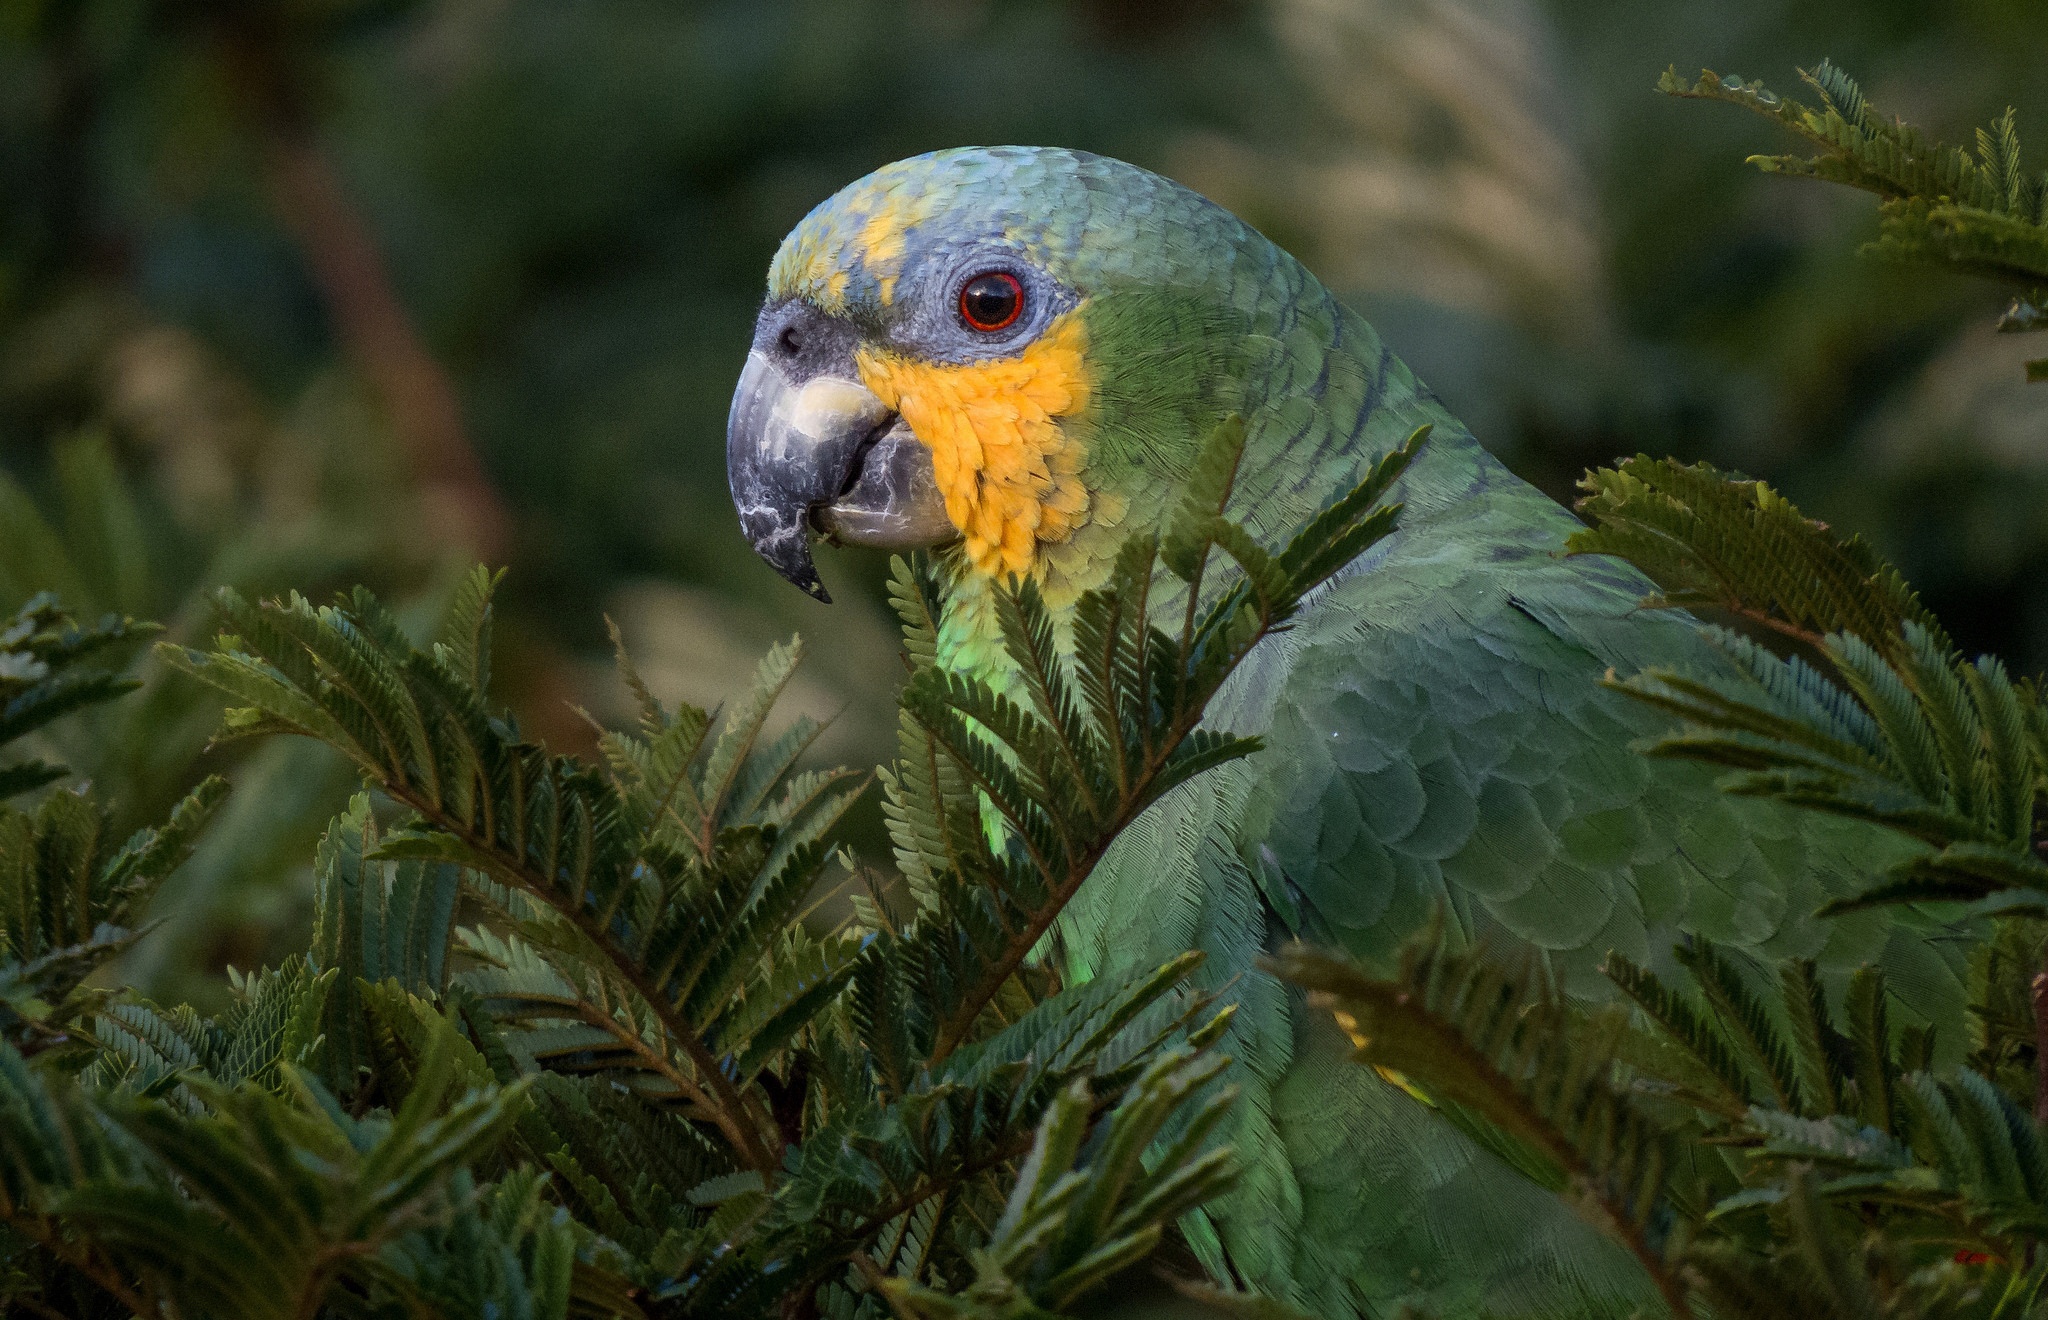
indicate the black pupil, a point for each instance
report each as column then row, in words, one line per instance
column 990, row 300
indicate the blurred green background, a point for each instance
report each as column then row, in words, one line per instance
column 310, row 292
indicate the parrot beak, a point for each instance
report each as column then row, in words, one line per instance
column 824, row 454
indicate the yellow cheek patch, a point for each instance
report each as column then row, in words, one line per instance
column 1011, row 474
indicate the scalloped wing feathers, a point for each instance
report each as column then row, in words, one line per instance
column 1437, row 735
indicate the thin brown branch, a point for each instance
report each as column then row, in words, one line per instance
column 744, row 1125
column 730, row 1108
column 700, row 1106
column 376, row 331
column 953, row 1031
column 932, row 1185
column 2041, row 1047
column 379, row 337
column 320, row 1276
column 1765, row 619
column 31, row 1304
column 45, row 1233
column 1736, row 606
column 944, row 1184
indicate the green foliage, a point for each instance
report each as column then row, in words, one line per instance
column 1984, row 214
column 1070, row 1225
column 1878, row 717
column 665, row 897
column 482, row 265
column 70, row 895
column 1716, row 543
column 107, row 557
column 45, row 673
column 569, row 1036
column 1757, row 1156
column 262, row 1204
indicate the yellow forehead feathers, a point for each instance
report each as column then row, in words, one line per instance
column 1010, row 473
column 881, row 244
column 864, row 230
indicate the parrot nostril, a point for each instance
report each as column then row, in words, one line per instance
column 789, row 341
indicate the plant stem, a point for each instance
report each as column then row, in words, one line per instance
column 375, row 329
column 44, row 1233
column 2040, row 998
column 742, row 1124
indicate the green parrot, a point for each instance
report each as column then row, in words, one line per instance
column 1012, row 356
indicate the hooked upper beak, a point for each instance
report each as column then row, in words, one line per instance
column 823, row 454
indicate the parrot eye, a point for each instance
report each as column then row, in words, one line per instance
column 992, row 301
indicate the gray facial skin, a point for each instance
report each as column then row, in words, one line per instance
column 809, row 448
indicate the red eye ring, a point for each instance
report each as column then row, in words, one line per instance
column 992, row 301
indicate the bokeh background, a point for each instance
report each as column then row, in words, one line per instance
column 302, row 293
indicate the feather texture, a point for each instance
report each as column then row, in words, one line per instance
column 1436, row 736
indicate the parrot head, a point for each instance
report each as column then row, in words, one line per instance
column 1013, row 350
